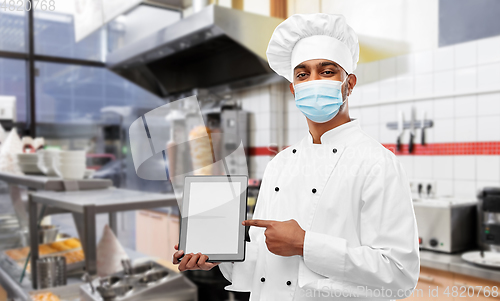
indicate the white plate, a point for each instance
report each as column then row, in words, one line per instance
column 27, row 158
column 30, row 168
column 490, row 259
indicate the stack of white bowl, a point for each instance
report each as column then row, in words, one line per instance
column 70, row 164
column 28, row 163
column 46, row 159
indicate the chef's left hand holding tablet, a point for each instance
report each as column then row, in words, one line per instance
column 192, row 261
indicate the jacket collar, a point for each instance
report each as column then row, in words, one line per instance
column 338, row 134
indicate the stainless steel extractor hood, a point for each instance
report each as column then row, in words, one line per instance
column 213, row 47
column 171, row 4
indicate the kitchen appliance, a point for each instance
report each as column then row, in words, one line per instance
column 147, row 281
column 215, row 39
column 446, row 225
column 488, row 209
column 228, row 128
column 234, row 129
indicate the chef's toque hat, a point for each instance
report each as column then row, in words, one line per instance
column 304, row 37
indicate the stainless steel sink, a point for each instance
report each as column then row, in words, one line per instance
column 154, row 276
column 149, row 281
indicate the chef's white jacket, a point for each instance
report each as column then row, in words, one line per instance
column 352, row 198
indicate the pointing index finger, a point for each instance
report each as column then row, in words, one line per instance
column 257, row 223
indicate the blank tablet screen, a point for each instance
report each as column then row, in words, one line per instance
column 212, row 216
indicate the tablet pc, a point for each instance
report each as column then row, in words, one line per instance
column 213, row 209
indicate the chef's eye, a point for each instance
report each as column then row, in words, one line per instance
column 328, row 72
column 301, row 75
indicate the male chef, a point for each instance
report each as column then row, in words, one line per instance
column 334, row 218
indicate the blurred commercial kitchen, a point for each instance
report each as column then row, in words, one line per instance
column 428, row 89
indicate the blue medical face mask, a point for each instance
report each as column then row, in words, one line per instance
column 319, row 100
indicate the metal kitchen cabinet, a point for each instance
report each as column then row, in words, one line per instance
column 156, row 233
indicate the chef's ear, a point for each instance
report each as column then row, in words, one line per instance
column 292, row 89
column 351, row 82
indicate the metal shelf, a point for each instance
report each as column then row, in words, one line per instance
column 52, row 183
column 85, row 205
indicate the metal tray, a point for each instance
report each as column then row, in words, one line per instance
column 45, row 255
column 69, row 267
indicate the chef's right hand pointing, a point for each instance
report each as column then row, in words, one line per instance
column 282, row 238
column 192, row 261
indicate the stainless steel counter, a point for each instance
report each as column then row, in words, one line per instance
column 454, row 263
column 106, row 200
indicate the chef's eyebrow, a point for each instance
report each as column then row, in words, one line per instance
column 320, row 64
column 299, row 66
column 337, row 66
column 325, row 63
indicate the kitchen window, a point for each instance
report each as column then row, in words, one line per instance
column 13, row 83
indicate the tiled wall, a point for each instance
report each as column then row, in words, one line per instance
column 257, row 101
column 458, row 87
